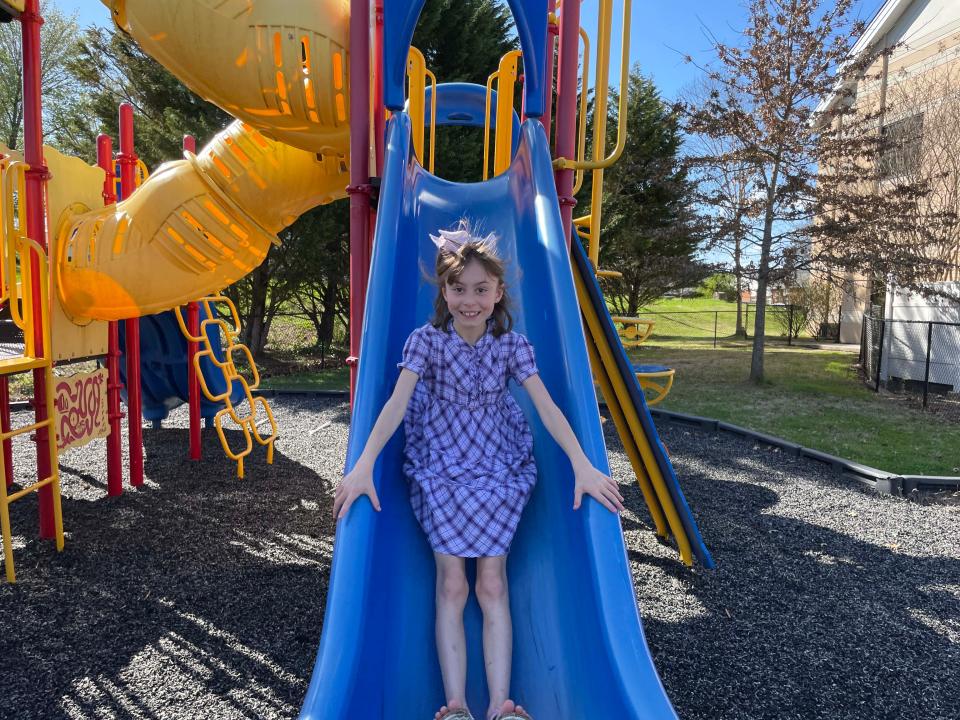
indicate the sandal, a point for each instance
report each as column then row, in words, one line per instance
column 510, row 716
column 457, row 714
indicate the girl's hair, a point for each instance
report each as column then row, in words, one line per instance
column 453, row 260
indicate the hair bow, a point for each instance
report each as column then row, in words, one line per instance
column 452, row 240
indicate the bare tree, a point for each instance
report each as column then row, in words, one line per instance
column 813, row 170
column 58, row 39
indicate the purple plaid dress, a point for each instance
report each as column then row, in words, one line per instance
column 469, row 451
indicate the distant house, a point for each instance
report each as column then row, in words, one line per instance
column 916, row 87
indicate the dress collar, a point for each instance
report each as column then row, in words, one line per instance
column 481, row 341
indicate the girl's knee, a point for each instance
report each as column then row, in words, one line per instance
column 452, row 587
column 491, row 588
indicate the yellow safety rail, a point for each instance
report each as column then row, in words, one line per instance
column 18, row 252
column 231, row 332
column 592, row 221
column 627, row 421
column 582, row 124
column 506, row 78
column 417, row 74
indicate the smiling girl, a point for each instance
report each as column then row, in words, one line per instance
column 469, row 455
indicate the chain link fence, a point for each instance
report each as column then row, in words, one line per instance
column 784, row 323
column 915, row 356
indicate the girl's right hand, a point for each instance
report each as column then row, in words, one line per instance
column 355, row 483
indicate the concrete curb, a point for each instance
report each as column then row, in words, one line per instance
column 864, row 475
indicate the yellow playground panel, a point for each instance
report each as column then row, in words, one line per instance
column 248, row 424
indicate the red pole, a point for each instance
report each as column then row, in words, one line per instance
column 568, row 70
column 114, row 413
column 128, row 168
column 379, row 113
column 30, row 22
column 193, row 325
column 552, row 32
column 5, row 426
column 359, row 188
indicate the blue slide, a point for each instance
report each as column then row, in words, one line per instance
column 579, row 648
column 163, row 367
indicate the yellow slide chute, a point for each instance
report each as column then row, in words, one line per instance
column 200, row 224
column 278, row 65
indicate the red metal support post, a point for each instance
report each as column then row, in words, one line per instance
column 379, row 112
column 566, row 116
column 114, row 413
column 128, row 168
column 359, row 188
column 30, row 22
column 193, row 325
column 5, row 427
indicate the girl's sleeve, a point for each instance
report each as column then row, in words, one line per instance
column 416, row 353
column 522, row 363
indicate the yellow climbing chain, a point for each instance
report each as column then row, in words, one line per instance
column 248, row 424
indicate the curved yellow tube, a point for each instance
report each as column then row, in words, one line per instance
column 281, row 67
column 194, row 227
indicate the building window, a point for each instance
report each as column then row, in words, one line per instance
column 901, row 152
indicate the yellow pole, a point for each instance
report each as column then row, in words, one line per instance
column 600, row 92
column 416, row 89
column 506, row 82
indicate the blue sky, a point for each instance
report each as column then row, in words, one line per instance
column 662, row 32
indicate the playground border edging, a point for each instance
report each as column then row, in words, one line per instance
column 872, row 478
column 868, row 477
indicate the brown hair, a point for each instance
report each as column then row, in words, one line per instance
column 450, row 266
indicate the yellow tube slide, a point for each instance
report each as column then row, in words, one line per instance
column 278, row 65
column 195, row 227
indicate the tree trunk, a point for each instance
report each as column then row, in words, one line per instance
column 328, row 314
column 759, row 319
column 633, row 300
column 741, row 331
column 255, row 329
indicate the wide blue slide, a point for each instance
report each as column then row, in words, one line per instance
column 579, row 647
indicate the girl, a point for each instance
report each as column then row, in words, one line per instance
column 469, row 455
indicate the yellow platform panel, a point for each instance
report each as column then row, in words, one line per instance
column 73, row 186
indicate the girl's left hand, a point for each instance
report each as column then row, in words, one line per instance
column 589, row 480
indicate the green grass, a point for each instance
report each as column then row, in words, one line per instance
column 689, row 304
column 811, row 397
column 334, row 379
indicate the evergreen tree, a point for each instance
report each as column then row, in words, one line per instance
column 649, row 230
column 454, row 55
column 109, row 69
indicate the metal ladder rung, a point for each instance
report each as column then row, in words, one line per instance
column 32, row 488
column 25, row 429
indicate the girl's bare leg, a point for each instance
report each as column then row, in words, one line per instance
column 494, row 599
column 452, row 591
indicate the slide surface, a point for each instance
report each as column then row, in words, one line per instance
column 579, row 648
column 163, row 367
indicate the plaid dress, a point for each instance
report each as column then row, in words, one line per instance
column 469, row 450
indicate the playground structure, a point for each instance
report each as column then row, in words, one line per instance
column 303, row 138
